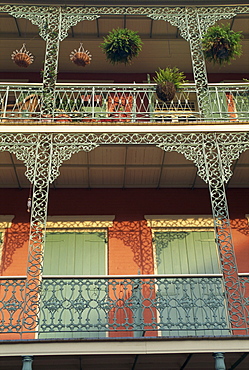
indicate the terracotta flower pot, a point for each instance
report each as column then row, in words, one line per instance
column 22, row 57
column 166, row 91
column 80, row 57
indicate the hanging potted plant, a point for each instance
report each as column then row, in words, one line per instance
column 220, row 44
column 23, row 58
column 121, row 45
column 168, row 80
column 80, row 57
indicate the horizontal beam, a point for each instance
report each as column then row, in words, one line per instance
column 121, row 165
column 116, row 277
column 90, row 38
column 124, row 346
column 149, row 3
column 123, row 129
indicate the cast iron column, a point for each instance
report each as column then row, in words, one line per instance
column 215, row 178
column 219, row 361
column 27, row 362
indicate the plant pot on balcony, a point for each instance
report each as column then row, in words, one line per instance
column 168, row 81
column 62, row 117
column 22, row 57
column 166, row 91
column 46, row 118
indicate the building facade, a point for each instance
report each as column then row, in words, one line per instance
column 123, row 218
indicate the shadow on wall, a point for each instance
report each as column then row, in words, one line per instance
column 137, row 236
column 15, row 238
column 240, row 225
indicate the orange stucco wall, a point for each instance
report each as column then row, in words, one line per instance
column 14, row 255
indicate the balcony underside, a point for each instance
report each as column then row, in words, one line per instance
column 121, row 167
column 162, row 45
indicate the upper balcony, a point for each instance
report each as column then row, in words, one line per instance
column 106, row 94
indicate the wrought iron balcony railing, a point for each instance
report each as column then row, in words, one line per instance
column 109, row 306
column 122, row 104
column 244, row 281
column 12, row 304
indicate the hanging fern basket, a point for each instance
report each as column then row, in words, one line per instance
column 22, row 57
column 80, row 57
column 121, row 45
column 220, row 44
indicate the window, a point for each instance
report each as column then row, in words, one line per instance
column 71, row 303
column 190, row 293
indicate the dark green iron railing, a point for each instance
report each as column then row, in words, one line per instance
column 172, row 305
column 244, row 281
column 184, row 305
column 12, row 304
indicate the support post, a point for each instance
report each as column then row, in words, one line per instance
column 215, row 178
column 198, row 61
column 41, row 179
column 27, row 362
column 219, row 361
column 53, row 34
column 58, row 22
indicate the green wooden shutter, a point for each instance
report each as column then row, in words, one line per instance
column 1, row 246
column 73, row 254
column 192, row 253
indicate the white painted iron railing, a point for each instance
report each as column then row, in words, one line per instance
column 124, row 103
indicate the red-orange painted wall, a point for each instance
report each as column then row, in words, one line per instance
column 14, row 256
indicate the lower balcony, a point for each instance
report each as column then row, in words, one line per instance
column 125, row 104
column 117, row 306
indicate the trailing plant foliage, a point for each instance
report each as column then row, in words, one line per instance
column 173, row 75
column 121, row 45
column 168, row 80
column 220, row 44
